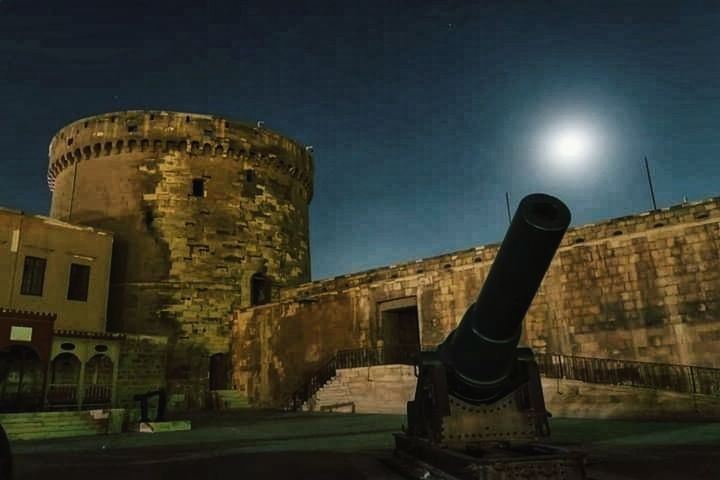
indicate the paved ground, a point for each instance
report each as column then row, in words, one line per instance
column 268, row 445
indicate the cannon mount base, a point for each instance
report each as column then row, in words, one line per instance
column 419, row 459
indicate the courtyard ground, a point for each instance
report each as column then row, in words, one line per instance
column 268, row 445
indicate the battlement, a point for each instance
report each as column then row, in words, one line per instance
column 119, row 133
column 676, row 216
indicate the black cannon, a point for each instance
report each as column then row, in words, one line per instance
column 478, row 404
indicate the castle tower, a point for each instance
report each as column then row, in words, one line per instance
column 208, row 215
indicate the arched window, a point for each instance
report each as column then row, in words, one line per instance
column 64, row 379
column 98, row 380
column 259, row 289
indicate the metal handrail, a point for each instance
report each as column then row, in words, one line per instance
column 97, row 393
column 610, row 371
column 62, row 393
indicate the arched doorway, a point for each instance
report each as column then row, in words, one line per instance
column 64, row 379
column 218, row 372
column 98, row 380
column 22, row 379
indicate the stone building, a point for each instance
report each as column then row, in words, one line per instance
column 643, row 287
column 210, row 286
column 208, row 215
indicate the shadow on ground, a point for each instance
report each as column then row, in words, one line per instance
column 268, row 445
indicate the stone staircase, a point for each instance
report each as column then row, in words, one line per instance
column 387, row 388
column 229, row 400
column 377, row 389
column 43, row 425
column 334, row 396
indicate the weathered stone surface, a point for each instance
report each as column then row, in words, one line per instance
column 142, row 368
column 183, row 257
column 645, row 288
column 379, row 389
column 387, row 388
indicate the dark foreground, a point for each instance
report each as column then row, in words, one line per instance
column 269, row 445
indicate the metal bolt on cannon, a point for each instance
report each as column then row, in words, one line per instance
column 479, row 411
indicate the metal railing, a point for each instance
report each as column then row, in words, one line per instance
column 97, row 394
column 65, row 394
column 62, row 393
column 355, row 358
column 660, row 376
column 368, row 357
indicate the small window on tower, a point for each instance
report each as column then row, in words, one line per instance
column 198, row 187
column 249, row 175
column 259, row 289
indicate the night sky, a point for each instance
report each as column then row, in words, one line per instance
column 421, row 114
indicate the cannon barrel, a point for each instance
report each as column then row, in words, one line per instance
column 480, row 355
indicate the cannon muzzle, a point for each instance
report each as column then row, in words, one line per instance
column 480, row 355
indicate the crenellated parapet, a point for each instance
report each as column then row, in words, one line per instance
column 160, row 132
column 207, row 214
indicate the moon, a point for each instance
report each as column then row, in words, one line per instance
column 569, row 145
column 571, row 148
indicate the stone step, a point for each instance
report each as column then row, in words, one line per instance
column 332, row 397
column 36, row 427
column 334, row 388
column 160, row 427
column 9, row 417
column 51, row 434
column 48, row 421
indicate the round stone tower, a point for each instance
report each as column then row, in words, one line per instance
column 208, row 214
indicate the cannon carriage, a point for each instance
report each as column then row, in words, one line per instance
column 479, row 411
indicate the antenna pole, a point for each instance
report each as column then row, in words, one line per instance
column 652, row 192
column 507, row 204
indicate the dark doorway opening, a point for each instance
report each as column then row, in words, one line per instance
column 259, row 289
column 22, row 379
column 218, row 372
column 400, row 332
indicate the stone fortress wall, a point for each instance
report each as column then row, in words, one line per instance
column 198, row 204
column 643, row 287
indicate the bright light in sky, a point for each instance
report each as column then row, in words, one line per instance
column 570, row 144
column 572, row 148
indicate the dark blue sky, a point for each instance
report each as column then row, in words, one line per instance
column 422, row 114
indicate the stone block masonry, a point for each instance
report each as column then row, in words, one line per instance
column 198, row 205
column 142, row 368
column 388, row 388
column 644, row 287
